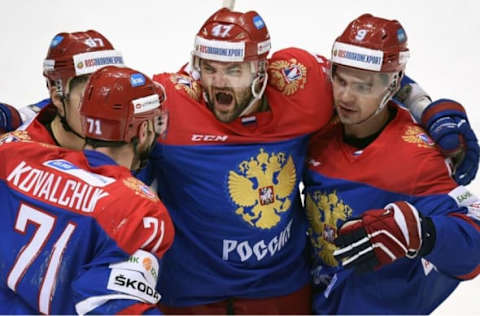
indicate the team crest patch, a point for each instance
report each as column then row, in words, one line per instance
column 262, row 187
column 416, row 135
column 287, row 76
column 190, row 86
column 140, row 188
column 15, row 136
column 325, row 212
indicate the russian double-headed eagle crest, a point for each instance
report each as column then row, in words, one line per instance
column 15, row 136
column 140, row 188
column 262, row 187
column 287, row 76
column 414, row 134
column 191, row 87
column 324, row 213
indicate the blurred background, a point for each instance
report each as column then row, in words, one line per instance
column 157, row 36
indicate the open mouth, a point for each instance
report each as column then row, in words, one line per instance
column 224, row 98
column 223, row 101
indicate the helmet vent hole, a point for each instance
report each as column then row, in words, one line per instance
column 117, row 107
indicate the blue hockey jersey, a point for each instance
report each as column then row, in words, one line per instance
column 232, row 188
column 72, row 229
column 403, row 163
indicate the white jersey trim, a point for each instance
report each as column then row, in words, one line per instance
column 89, row 304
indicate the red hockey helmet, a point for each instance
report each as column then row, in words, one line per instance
column 231, row 36
column 372, row 43
column 116, row 101
column 79, row 53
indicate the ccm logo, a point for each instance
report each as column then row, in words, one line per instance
column 209, row 138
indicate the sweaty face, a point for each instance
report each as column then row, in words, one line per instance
column 228, row 86
column 357, row 93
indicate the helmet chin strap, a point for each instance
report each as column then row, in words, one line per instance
column 256, row 96
column 392, row 89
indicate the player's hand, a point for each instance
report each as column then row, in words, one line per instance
column 447, row 123
column 382, row 236
column 9, row 118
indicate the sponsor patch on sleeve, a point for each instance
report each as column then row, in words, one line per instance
column 132, row 283
column 141, row 261
column 463, row 197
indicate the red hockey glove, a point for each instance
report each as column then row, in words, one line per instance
column 382, row 236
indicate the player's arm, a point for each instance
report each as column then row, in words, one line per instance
column 11, row 118
column 382, row 236
column 125, row 287
column 441, row 227
column 139, row 225
column 456, row 250
column 447, row 123
column 28, row 112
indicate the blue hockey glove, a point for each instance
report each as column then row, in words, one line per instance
column 447, row 123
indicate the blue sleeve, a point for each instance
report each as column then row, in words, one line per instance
column 98, row 290
column 457, row 247
column 456, row 251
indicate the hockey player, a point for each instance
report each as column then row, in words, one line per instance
column 233, row 159
column 80, row 234
column 71, row 58
column 387, row 222
column 228, row 170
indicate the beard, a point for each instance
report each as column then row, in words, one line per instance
column 228, row 104
column 143, row 155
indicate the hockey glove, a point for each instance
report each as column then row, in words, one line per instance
column 9, row 118
column 447, row 123
column 382, row 236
